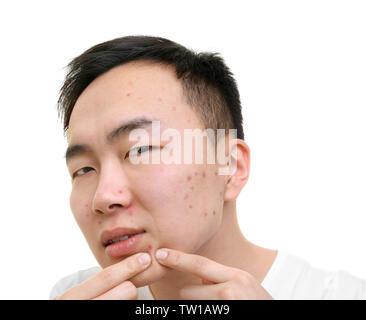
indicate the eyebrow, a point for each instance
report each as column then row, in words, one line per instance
column 125, row 127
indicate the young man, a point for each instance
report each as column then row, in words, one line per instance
column 128, row 210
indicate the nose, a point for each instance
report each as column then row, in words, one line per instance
column 112, row 193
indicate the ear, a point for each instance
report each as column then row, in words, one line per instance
column 239, row 169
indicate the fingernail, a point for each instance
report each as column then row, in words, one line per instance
column 161, row 254
column 144, row 258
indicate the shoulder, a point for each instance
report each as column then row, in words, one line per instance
column 292, row 277
column 72, row 280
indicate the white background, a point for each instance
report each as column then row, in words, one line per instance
column 301, row 70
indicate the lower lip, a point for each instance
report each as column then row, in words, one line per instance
column 123, row 247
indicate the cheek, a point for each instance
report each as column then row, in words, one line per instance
column 199, row 192
column 159, row 186
column 81, row 211
column 190, row 218
column 75, row 204
column 182, row 203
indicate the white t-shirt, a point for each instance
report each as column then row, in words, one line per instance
column 289, row 278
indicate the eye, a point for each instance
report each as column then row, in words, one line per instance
column 138, row 150
column 76, row 173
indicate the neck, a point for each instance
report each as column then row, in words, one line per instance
column 228, row 247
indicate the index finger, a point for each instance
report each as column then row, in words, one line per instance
column 197, row 265
column 108, row 278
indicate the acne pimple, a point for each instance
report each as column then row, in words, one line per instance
column 189, row 178
column 191, row 188
column 160, row 99
column 119, row 191
column 188, row 121
column 86, row 205
column 149, row 247
column 216, row 173
column 99, row 222
column 203, row 174
column 174, row 108
column 186, row 196
column 195, row 173
column 205, row 214
column 190, row 206
column 128, row 94
column 214, row 212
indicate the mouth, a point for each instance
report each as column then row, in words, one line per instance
column 110, row 237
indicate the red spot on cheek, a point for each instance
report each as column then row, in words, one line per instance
column 189, row 178
column 195, row 173
column 128, row 94
column 216, row 173
column 86, row 205
column 160, row 99
column 214, row 212
column 120, row 191
column 191, row 188
column 174, row 108
column 190, row 206
column 205, row 214
column 186, row 196
column 149, row 247
column 99, row 222
column 203, row 174
column 88, row 215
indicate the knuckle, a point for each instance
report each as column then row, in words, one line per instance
column 200, row 262
column 131, row 266
column 174, row 259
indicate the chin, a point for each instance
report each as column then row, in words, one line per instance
column 153, row 273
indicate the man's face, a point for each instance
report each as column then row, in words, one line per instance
column 178, row 206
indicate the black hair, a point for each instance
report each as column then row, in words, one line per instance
column 208, row 84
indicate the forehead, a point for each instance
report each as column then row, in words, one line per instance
column 132, row 90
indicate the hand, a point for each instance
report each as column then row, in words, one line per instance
column 111, row 283
column 219, row 282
